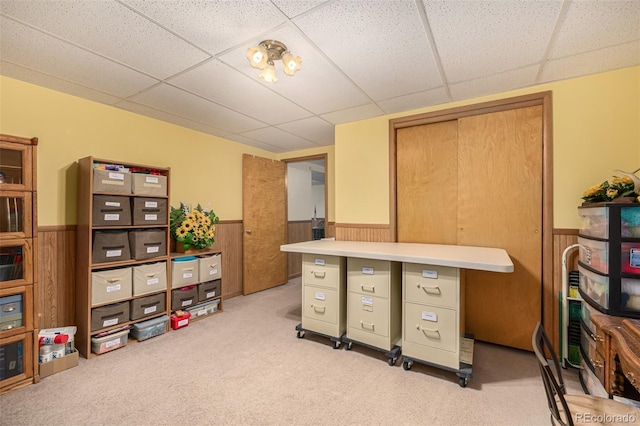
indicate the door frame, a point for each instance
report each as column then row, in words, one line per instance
column 322, row 156
column 540, row 98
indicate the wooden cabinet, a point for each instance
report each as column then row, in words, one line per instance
column 122, row 237
column 18, row 271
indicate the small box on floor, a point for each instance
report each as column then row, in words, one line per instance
column 147, row 329
column 180, row 319
column 109, row 342
column 59, row 364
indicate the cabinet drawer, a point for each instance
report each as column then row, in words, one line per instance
column 368, row 313
column 320, row 303
column 431, row 326
column 431, row 285
column 588, row 345
column 322, row 270
column 368, row 276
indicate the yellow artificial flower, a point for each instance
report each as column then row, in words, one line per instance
column 191, row 216
column 612, row 193
column 591, row 190
column 181, row 232
column 188, row 225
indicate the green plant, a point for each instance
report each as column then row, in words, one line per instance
column 194, row 228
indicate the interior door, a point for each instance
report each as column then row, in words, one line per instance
column 500, row 205
column 264, row 203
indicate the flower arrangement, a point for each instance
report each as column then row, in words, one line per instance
column 608, row 191
column 193, row 228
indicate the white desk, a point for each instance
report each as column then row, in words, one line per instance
column 431, row 316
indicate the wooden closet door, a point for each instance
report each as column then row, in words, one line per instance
column 500, row 205
column 427, row 183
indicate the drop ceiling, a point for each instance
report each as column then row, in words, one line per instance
column 184, row 61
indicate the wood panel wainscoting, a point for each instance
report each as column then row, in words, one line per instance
column 562, row 238
column 57, row 265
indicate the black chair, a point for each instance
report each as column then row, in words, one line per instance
column 571, row 409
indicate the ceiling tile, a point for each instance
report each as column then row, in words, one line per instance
column 32, row 49
column 279, row 138
column 34, row 77
column 381, row 45
column 414, row 100
column 184, row 104
column 217, row 81
column 621, row 56
column 496, row 83
column 111, row 29
column 480, row 38
column 314, row 129
column 297, row 7
column 317, row 87
column 171, row 118
column 617, row 22
column 361, row 112
column 212, row 25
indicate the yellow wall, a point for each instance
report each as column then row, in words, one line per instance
column 204, row 168
column 596, row 129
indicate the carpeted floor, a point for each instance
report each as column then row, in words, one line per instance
column 245, row 366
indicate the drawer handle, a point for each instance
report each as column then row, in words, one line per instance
column 430, row 290
column 367, row 325
column 151, row 275
column 113, row 280
column 318, row 274
column 213, row 265
column 371, row 289
column 427, row 332
column 9, row 308
column 318, row 309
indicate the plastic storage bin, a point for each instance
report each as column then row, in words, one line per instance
column 595, row 254
column 110, row 342
column 179, row 321
column 594, row 221
column 630, row 258
column 587, row 311
column 595, row 286
column 147, row 329
column 203, row 309
column 630, row 294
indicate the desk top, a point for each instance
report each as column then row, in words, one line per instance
column 466, row 257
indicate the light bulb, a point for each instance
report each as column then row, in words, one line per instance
column 291, row 63
column 257, row 57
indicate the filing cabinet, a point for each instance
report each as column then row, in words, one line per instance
column 324, row 302
column 374, row 303
column 431, row 314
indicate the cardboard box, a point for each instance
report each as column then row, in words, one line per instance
column 58, row 365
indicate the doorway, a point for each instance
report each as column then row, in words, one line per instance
column 306, row 182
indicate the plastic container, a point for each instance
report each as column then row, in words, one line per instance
column 630, row 258
column 595, row 286
column 45, row 354
column 110, row 342
column 630, row 294
column 594, row 221
column 57, row 351
column 203, row 309
column 179, row 321
column 147, row 329
column 594, row 254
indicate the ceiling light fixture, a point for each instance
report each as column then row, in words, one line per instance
column 263, row 55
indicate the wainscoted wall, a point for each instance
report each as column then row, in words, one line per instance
column 297, row 231
column 57, row 250
column 56, row 270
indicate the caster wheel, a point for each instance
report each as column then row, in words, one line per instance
column 463, row 382
column 300, row 334
column 407, row 365
column 349, row 346
column 336, row 345
column 392, row 361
